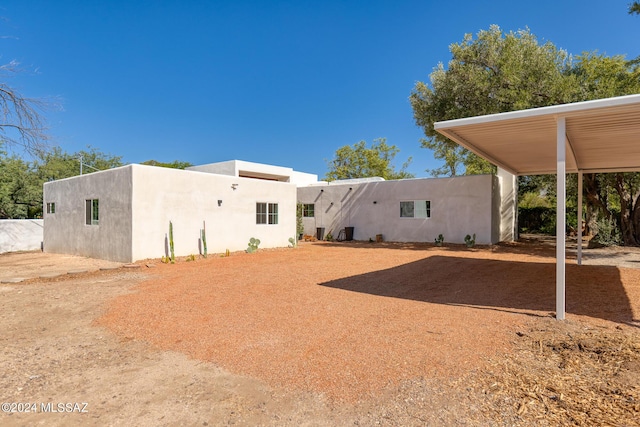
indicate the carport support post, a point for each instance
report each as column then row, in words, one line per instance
column 561, row 216
column 579, row 218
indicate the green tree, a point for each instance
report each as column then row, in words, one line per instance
column 21, row 182
column 634, row 8
column 176, row 164
column 20, row 190
column 358, row 161
column 499, row 72
column 614, row 196
column 57, row 164
column 493, row 73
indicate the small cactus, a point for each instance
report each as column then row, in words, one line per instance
column 203, row 237
column 173, row 255
column 470, row 241
column 439, row 240
column 253, row 245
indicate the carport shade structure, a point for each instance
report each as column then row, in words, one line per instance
column 584, row 137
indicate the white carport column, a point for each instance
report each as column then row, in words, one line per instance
column 561, row 216
column 580, row 218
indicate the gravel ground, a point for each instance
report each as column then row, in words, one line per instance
column 323, row 334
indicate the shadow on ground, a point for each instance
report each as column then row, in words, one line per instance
column 595, row 291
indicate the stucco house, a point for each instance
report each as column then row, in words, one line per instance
column 123, row 214
column 414, row 210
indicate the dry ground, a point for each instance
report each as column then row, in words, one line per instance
column 329, row 334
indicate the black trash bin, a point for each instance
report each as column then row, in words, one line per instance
column 320, row 233
column 348, row 233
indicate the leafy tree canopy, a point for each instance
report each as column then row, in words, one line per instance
column 493, row 73
column 358, row 161
column 57, row 164
column 21, row 181
column 20, row 195
column 634, row 8
column 176, row 164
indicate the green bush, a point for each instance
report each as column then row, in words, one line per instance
column 608, row 233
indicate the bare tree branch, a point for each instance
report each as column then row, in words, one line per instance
column 21, row 121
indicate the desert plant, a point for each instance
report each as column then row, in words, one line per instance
column 164, row 259
column 173, row 255
column 470, row 241
column 608, row 233
column 292, row 242
column 203, row 237
column 253, row 245
column 439, row 240
column 191, row 257
column 299, row 222
column 329, row 237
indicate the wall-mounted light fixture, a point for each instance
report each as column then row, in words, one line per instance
column 322, row 191
column 331, row 204
column 219, row 202
column 375, row 202
column 350, row 188
column 234, row 186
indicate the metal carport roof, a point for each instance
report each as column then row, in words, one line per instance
column 592, row 136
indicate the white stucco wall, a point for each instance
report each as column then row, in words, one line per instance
column 459, row 206
column 258, row 170
column 65, row 231
column 508, row 206
column 221, row 168
column 187, row 198
column 20, row 234
column 137, row 202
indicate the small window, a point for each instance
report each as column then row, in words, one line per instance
column 308, row 210
column 261, row 213
column 91, row 212
column 273, row 213
column 51, row 208
column 266, row 213
column 406, row 209
column 415, row 209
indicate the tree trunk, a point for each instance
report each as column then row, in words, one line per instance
column 629, row 215
column 594, row 202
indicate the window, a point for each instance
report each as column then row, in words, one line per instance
column 266, row 213
column 415, row 209
column 308, row 210
column 51, row 208
column 91, row 212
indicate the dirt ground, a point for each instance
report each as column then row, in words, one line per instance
column 323, row 334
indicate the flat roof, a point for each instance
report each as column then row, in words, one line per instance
column 602, row 136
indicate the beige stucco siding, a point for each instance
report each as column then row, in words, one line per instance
column 189, row 198
column 66, row 230
column 459, row 206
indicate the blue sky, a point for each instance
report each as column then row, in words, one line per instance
column 278, row 82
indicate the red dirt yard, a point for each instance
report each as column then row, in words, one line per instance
column 328, row 334
column 353, row 321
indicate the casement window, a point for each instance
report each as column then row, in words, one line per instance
column 51, row 208
column 308, row 210
column 415, row 209
column 266, row 213
column 91, row 212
